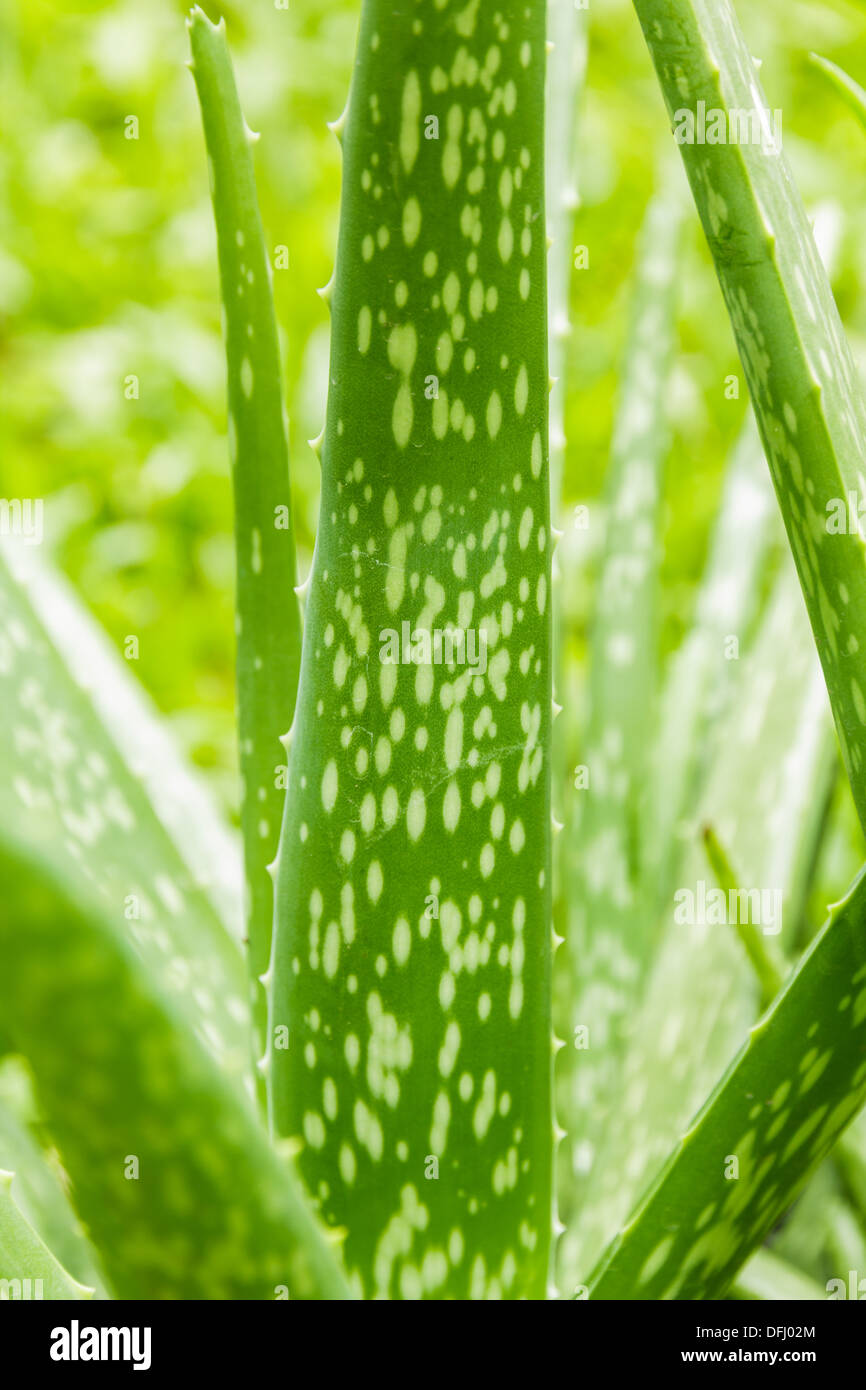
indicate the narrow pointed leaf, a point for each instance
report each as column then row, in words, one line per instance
column 851, row 92
column 777, row 1113
column 808, row 402
column 268, row 614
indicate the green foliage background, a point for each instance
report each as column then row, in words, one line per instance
column 108, row 267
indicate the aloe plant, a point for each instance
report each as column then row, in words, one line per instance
column 399, row 952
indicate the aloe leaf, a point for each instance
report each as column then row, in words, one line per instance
column 701, row 675
column 138, row 737
column 768, row 1279
column 90, row 817
column 771, row 752
column 127, row 997
column 607, row 937
column 170, row 1169
column 410, row 1040
column 807, row 400
column 268, row 614
column 38, row 1186
column 28, row 1270
column 852, row 93
column 761, row 1133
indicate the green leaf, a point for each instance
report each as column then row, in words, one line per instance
column 770, row 754
column 769, row 1116
column 28, row 1270
column 127, row 996
column 193, row 833
column 268, row 614
column 848, row 89
column 807, row 399
column 38, row 1186
column 766, row 1278
column 700, row 679
column 598, row 971
column 411, row 967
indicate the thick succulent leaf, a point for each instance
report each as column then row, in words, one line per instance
column 139, row 742
column 607, row 938
column 170, row 1169
column 776, row 1114
column 808, row 401
column 848, row 89
column 127, row 997
column 68, row 796
column 28, row 1270
column 268, row 614
column 701, row 995
column 701, row 676
column 412, row 939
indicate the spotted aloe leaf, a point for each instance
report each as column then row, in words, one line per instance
column 268, row 613
column 850, row 90
column 410, row 1041
column 205, row 850
column 761, row 1133
column 608, row 940
column 808, row 402
column 127, row 996
column 701, row 984
column 28, row 1270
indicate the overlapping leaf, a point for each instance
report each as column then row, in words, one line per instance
column 127, row 996
column 776, row 1114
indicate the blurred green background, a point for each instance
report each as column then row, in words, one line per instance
column 108, row 269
